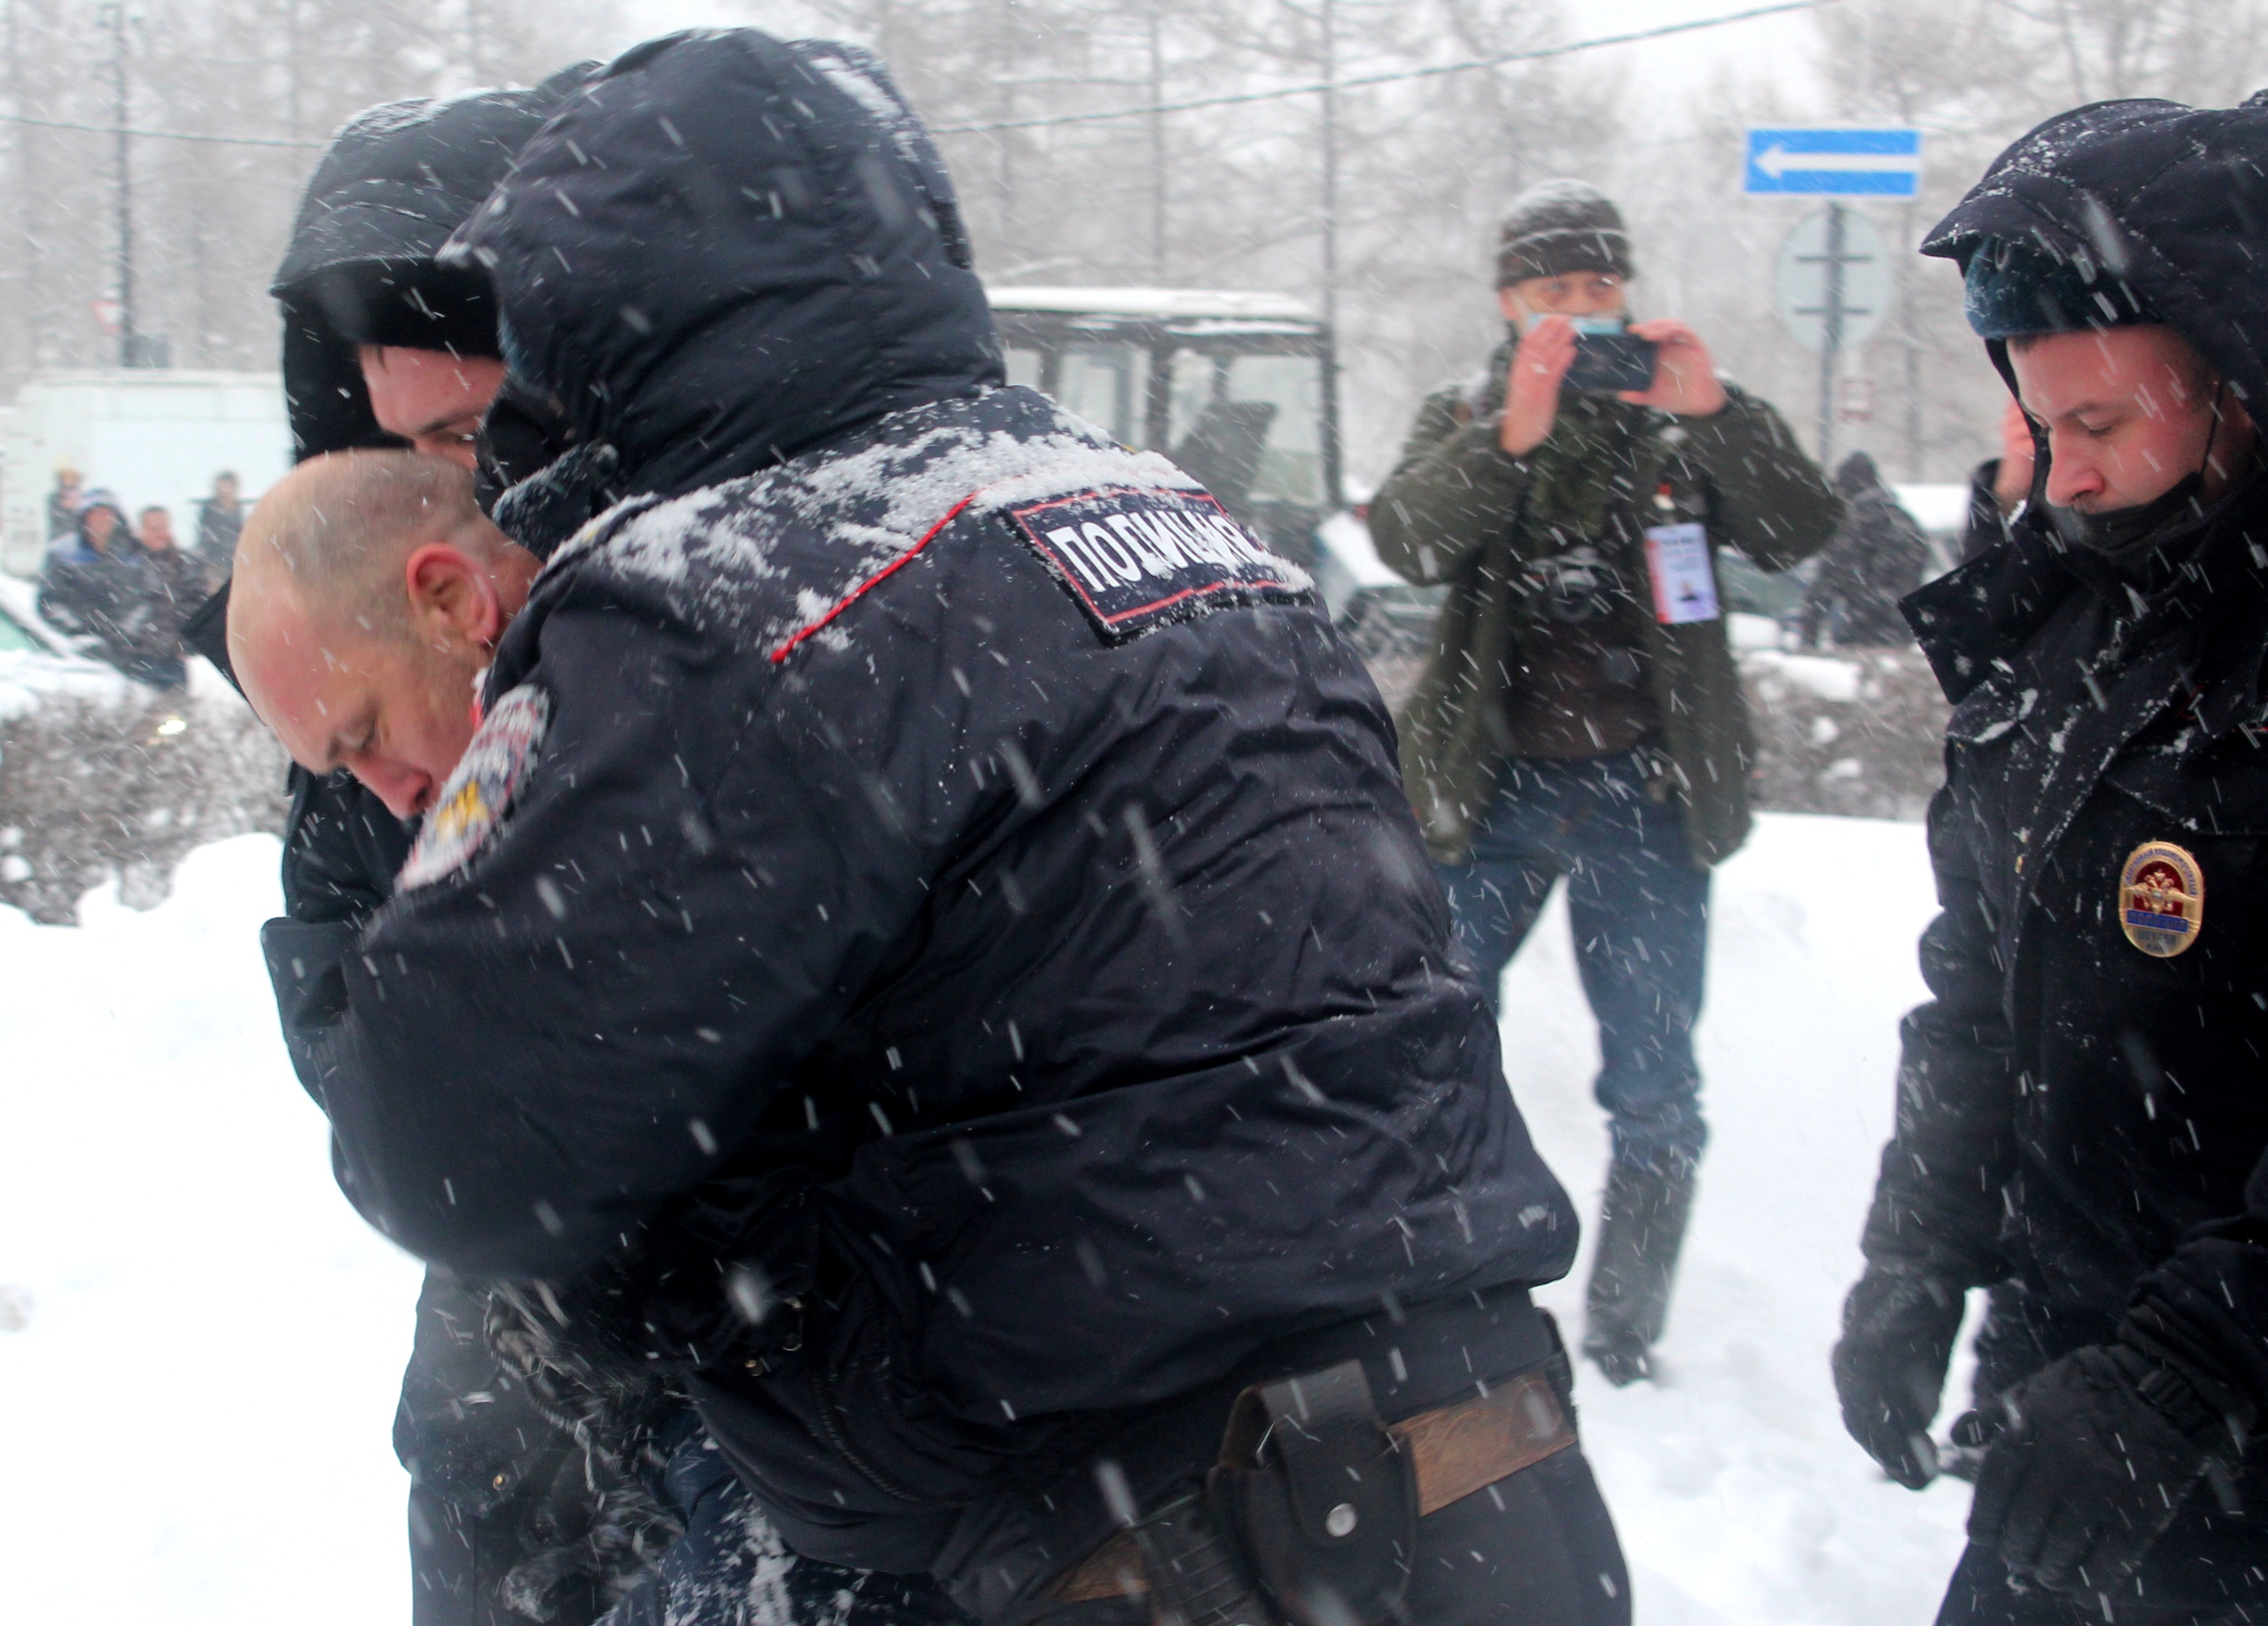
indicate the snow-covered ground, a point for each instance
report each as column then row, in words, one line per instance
column 1739, row 1498
column 199, row 1343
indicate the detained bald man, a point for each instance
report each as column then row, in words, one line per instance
column 369, row 595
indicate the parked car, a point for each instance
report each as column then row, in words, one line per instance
column 36, row 658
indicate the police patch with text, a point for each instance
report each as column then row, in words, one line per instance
column 1137, row 560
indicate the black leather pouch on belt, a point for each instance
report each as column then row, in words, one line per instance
column 1321, row 1497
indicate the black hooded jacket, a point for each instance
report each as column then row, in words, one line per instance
column 929, row 940
column 2070, row 1107
column 360, row 268
column 1875, row 559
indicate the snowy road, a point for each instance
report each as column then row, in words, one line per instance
column 194, row 1410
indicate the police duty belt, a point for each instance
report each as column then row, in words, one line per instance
column 1313, row 1493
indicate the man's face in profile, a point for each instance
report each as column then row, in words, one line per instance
column 391, row 712
column 2130, row 413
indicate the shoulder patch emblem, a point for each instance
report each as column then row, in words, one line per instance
column 2161, row 898
column 478, row 796
column 1135, row 560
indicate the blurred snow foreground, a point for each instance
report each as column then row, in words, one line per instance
column 200, row 1343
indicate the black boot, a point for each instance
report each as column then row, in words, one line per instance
column 1640, row 1225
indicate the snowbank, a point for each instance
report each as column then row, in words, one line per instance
column 195, row 1409
column 194, row 1416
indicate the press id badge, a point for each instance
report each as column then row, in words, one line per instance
column 1685, row 588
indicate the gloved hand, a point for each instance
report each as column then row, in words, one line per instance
column 1899, row 1327
column 2090, row 1459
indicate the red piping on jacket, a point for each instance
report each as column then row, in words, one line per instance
column 860, row 591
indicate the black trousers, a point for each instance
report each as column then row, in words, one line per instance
column 731, row 1569
column 1548, row 1553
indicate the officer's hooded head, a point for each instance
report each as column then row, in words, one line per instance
column 724, row 252
column 359, row 274
column 2108, row 263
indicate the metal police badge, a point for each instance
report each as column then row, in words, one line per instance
column 2161, row 898
column 491, row 773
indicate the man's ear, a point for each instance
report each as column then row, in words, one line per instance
column 452, row 601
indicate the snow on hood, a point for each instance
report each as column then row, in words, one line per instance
column 728, row 249
column 398, row 179
column 2172, row 200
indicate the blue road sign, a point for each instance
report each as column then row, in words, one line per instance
column 1885, row 163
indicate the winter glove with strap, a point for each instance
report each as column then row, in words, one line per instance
column 2090, row 1459
column 1899, row 1327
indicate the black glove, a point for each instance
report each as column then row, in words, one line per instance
column 1899, row 1327
column 2090, row 1459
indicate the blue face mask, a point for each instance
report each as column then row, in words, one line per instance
column 1586, row 327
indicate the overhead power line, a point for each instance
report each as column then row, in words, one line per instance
column 1276, row 93
column 111, row 129
column 1397, row 77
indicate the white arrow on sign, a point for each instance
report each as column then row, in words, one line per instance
column 1776, row 160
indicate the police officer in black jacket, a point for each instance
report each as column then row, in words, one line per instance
column 928, row 947
column 2081, row 1104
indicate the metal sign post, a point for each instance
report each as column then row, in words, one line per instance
column 1831, row 312
column 1833, row 287
column 1834, row 279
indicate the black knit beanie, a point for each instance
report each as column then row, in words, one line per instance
column 2016, row 290
column 1559, row 227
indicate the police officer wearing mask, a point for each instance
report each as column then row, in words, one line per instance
column 2080, row 1105
column 926, row 952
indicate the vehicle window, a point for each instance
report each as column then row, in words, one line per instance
column 1106, row 385
column 14, row 638
column 1023, row 365
column 1250, row 426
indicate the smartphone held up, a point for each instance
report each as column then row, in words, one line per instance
column 1609, row 359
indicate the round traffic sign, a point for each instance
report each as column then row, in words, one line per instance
column 1802, row 283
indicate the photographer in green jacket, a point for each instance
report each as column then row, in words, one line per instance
column 1582, row 715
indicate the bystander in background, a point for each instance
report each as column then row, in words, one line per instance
column 219, row 519
column 64, row 502
column 1877, row 558
column 101, row 584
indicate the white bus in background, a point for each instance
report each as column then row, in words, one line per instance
column 154, row 436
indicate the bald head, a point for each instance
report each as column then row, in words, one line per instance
column 368, row 595
column 337, row 531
